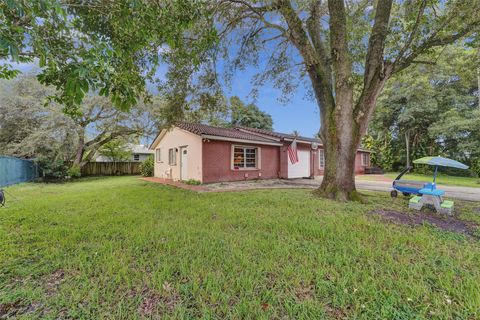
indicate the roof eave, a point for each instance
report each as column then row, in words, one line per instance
column 157, row 139
column 304, row 141
column 268, row 143
column 266, row 136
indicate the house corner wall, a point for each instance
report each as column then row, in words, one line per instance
column 177, row 138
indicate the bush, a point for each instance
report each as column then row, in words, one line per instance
column 192, row 182
column 475, row 167
column 146, row 167
column 51, row 170
column 74, row 171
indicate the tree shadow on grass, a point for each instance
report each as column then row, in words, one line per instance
column 446, row 223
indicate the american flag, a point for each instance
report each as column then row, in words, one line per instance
column 292, row 152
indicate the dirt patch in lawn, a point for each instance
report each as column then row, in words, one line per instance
column 54, row 281
column 451, row 224
column 305, row 292
column 51, row 283
column 149, row 302
column 19, row 308
column 154, row 303
column 10, row 309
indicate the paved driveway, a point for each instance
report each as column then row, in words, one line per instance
column 375, row 183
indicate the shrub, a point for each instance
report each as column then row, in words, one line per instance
column 74, row 171
column 52, row 169
column 146, row 167
column 475, row 167
column 192, row 182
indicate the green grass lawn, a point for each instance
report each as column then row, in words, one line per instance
column 441, row 179
column 122, row 248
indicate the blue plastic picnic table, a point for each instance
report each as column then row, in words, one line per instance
column 432, row 192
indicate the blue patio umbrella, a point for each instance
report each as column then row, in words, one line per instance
column 440, row 162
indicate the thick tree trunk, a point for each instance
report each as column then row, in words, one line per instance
column 339, row 178
column 80, row 151
column 407, row 145
column 343, row 121
column 80, row 159
column 478, row 76
column 340, row 140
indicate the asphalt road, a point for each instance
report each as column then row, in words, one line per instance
column 462, row 193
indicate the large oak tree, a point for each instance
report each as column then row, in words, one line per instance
column 347, row 50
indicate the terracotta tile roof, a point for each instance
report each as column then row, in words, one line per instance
column 242, row 133
column 280, row 135
column 202, row 129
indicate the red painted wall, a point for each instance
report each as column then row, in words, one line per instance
column 315, row 163
column 217, row 162
column 359, row 169
column 274, row 163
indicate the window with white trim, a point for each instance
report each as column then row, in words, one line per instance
column 136, row 157
column 365, row 159
column 172, row 157
column 321, row 158
column 158, row 155
column 245, row 157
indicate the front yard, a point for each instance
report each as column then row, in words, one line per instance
column 125, row 248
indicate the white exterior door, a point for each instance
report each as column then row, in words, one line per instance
column 301, row 169
column 184, row 164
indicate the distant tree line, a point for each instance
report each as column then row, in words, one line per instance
column 431, row 109
column 233, row 112
column 31, row 126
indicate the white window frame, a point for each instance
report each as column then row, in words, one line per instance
column 172, row 157
column 321, row 158
column 365, row 159
column 136, row 157
column 258, row 158
column 158, row 155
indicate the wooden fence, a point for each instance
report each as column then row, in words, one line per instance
column 110, row 168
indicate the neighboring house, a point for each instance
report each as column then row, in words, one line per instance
column 212, row 154
column 139, row 153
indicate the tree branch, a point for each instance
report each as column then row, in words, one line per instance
column 339, row 48
column 376, row 72
column 259, row 12
column 103, row 138
column 317, row 68
column 410, row 38
column 432, row 42
column 376, row 44
column 424, row 62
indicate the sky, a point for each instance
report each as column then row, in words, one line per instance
column 300, row 113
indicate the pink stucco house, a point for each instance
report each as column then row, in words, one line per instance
column 213, row 154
